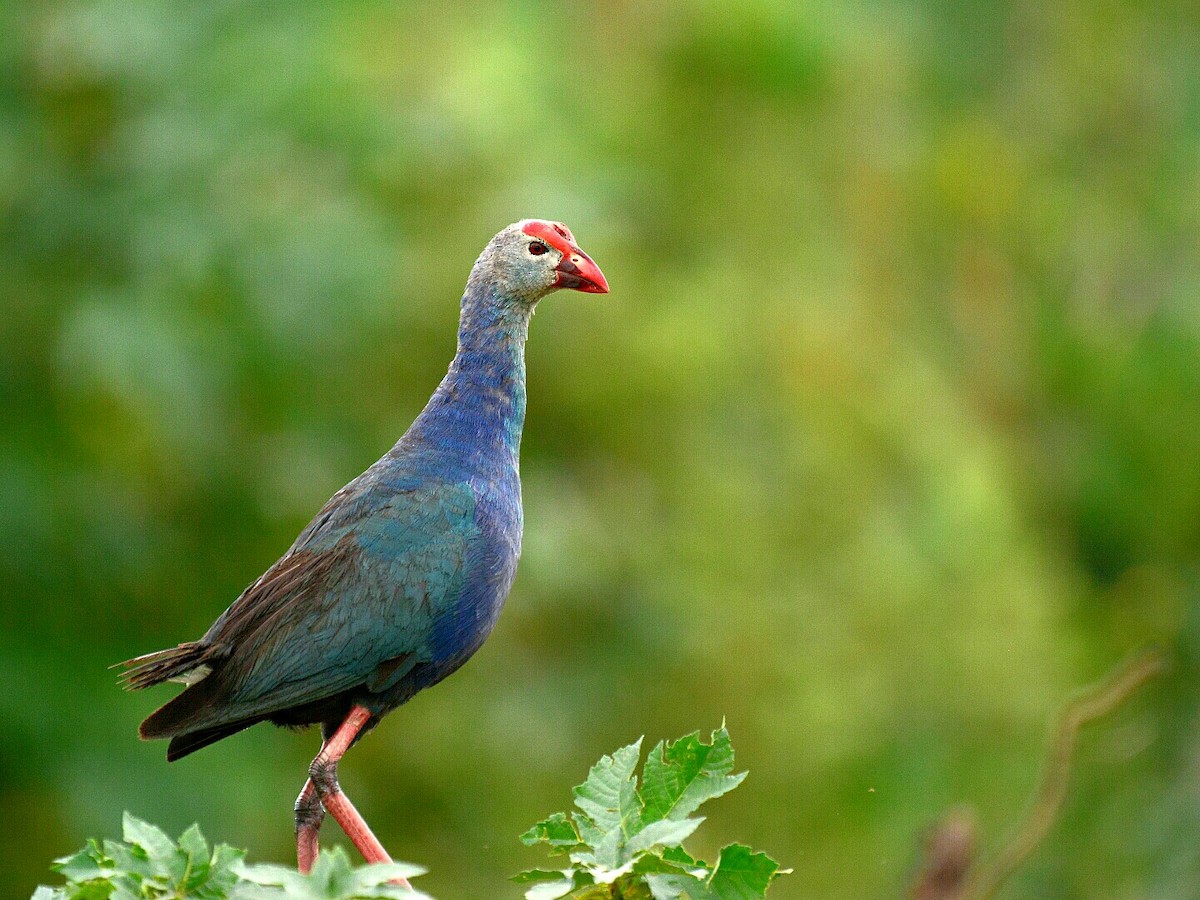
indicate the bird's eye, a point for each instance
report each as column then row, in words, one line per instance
column 537, row 248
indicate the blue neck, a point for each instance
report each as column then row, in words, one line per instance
column 475, row 416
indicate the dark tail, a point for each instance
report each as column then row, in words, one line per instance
column 193, row 719
column 184, row 744
column 162, row 665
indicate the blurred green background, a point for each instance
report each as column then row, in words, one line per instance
column 885, row 440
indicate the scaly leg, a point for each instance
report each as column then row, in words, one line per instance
column 309, row 816
column 323, row 777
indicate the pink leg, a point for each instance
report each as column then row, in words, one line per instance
column 323, row 778
column 309, row 815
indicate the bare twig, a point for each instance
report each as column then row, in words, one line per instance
column 1092, row 703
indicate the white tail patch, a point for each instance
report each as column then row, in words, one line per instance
column 193, row 676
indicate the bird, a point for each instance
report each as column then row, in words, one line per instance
column 400, row 577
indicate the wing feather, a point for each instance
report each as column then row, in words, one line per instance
column 354, row 593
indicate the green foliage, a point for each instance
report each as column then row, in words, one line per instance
column 623, row 842
column 148, row 865
column 627, row 842
column 332, row 878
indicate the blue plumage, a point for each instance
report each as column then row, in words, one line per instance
column 400, row 578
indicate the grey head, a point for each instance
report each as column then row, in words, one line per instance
column 529, row 259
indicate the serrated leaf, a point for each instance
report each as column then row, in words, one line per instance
column 532, row 876
column 149, row 837
column 559, row 885
column 557, row 831
column 681, row 857
column 606, row 875
column 222, row 873
column 81, row 866
column 681, row 775
column 610, row 808
column 270, row 875
column 192, row 842
column 668, row 832
column 609, row 795
column 194, row 850
column 125, row 887
column 741, row 874
column 653, row 864
column 333, row 878
column 629, row 841
column 566, row 880
column 675, row 885
column 374, row 880
column 159, row 850
column 331, row 874
column 380, row 873
column 591, row 835
column 132, row 860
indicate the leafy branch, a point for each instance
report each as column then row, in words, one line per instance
column 148, row 865
column 627, row 842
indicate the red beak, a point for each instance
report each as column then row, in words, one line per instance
column 577, row 271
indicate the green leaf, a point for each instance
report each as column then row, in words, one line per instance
column 609, row 795
column 331, row 874
column 653, row 864
column 681, row 775
column 158, row 849
column 222, row 870
column 192, row 842
column 741, row 874
column 129, row 859
column 674, row 886
column 150, row 838
column 375, row 880
column 591, row 892
column 125, row 887
column 194, row 850
column 557, row 831
column 610, row 806
column 669, row 832
column 271, row 875
column 81, row 866
column 681, row 857
column 333, row 878
column 532, row 876
column 551, row 889
column 627, row 842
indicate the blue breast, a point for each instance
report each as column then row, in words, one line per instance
column 468, row 439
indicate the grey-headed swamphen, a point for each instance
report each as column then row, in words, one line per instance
column 400, row 577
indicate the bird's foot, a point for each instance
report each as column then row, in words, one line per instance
column 309, row 816
column 322, row 775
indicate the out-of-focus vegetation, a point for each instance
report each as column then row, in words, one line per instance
column 884, row 441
